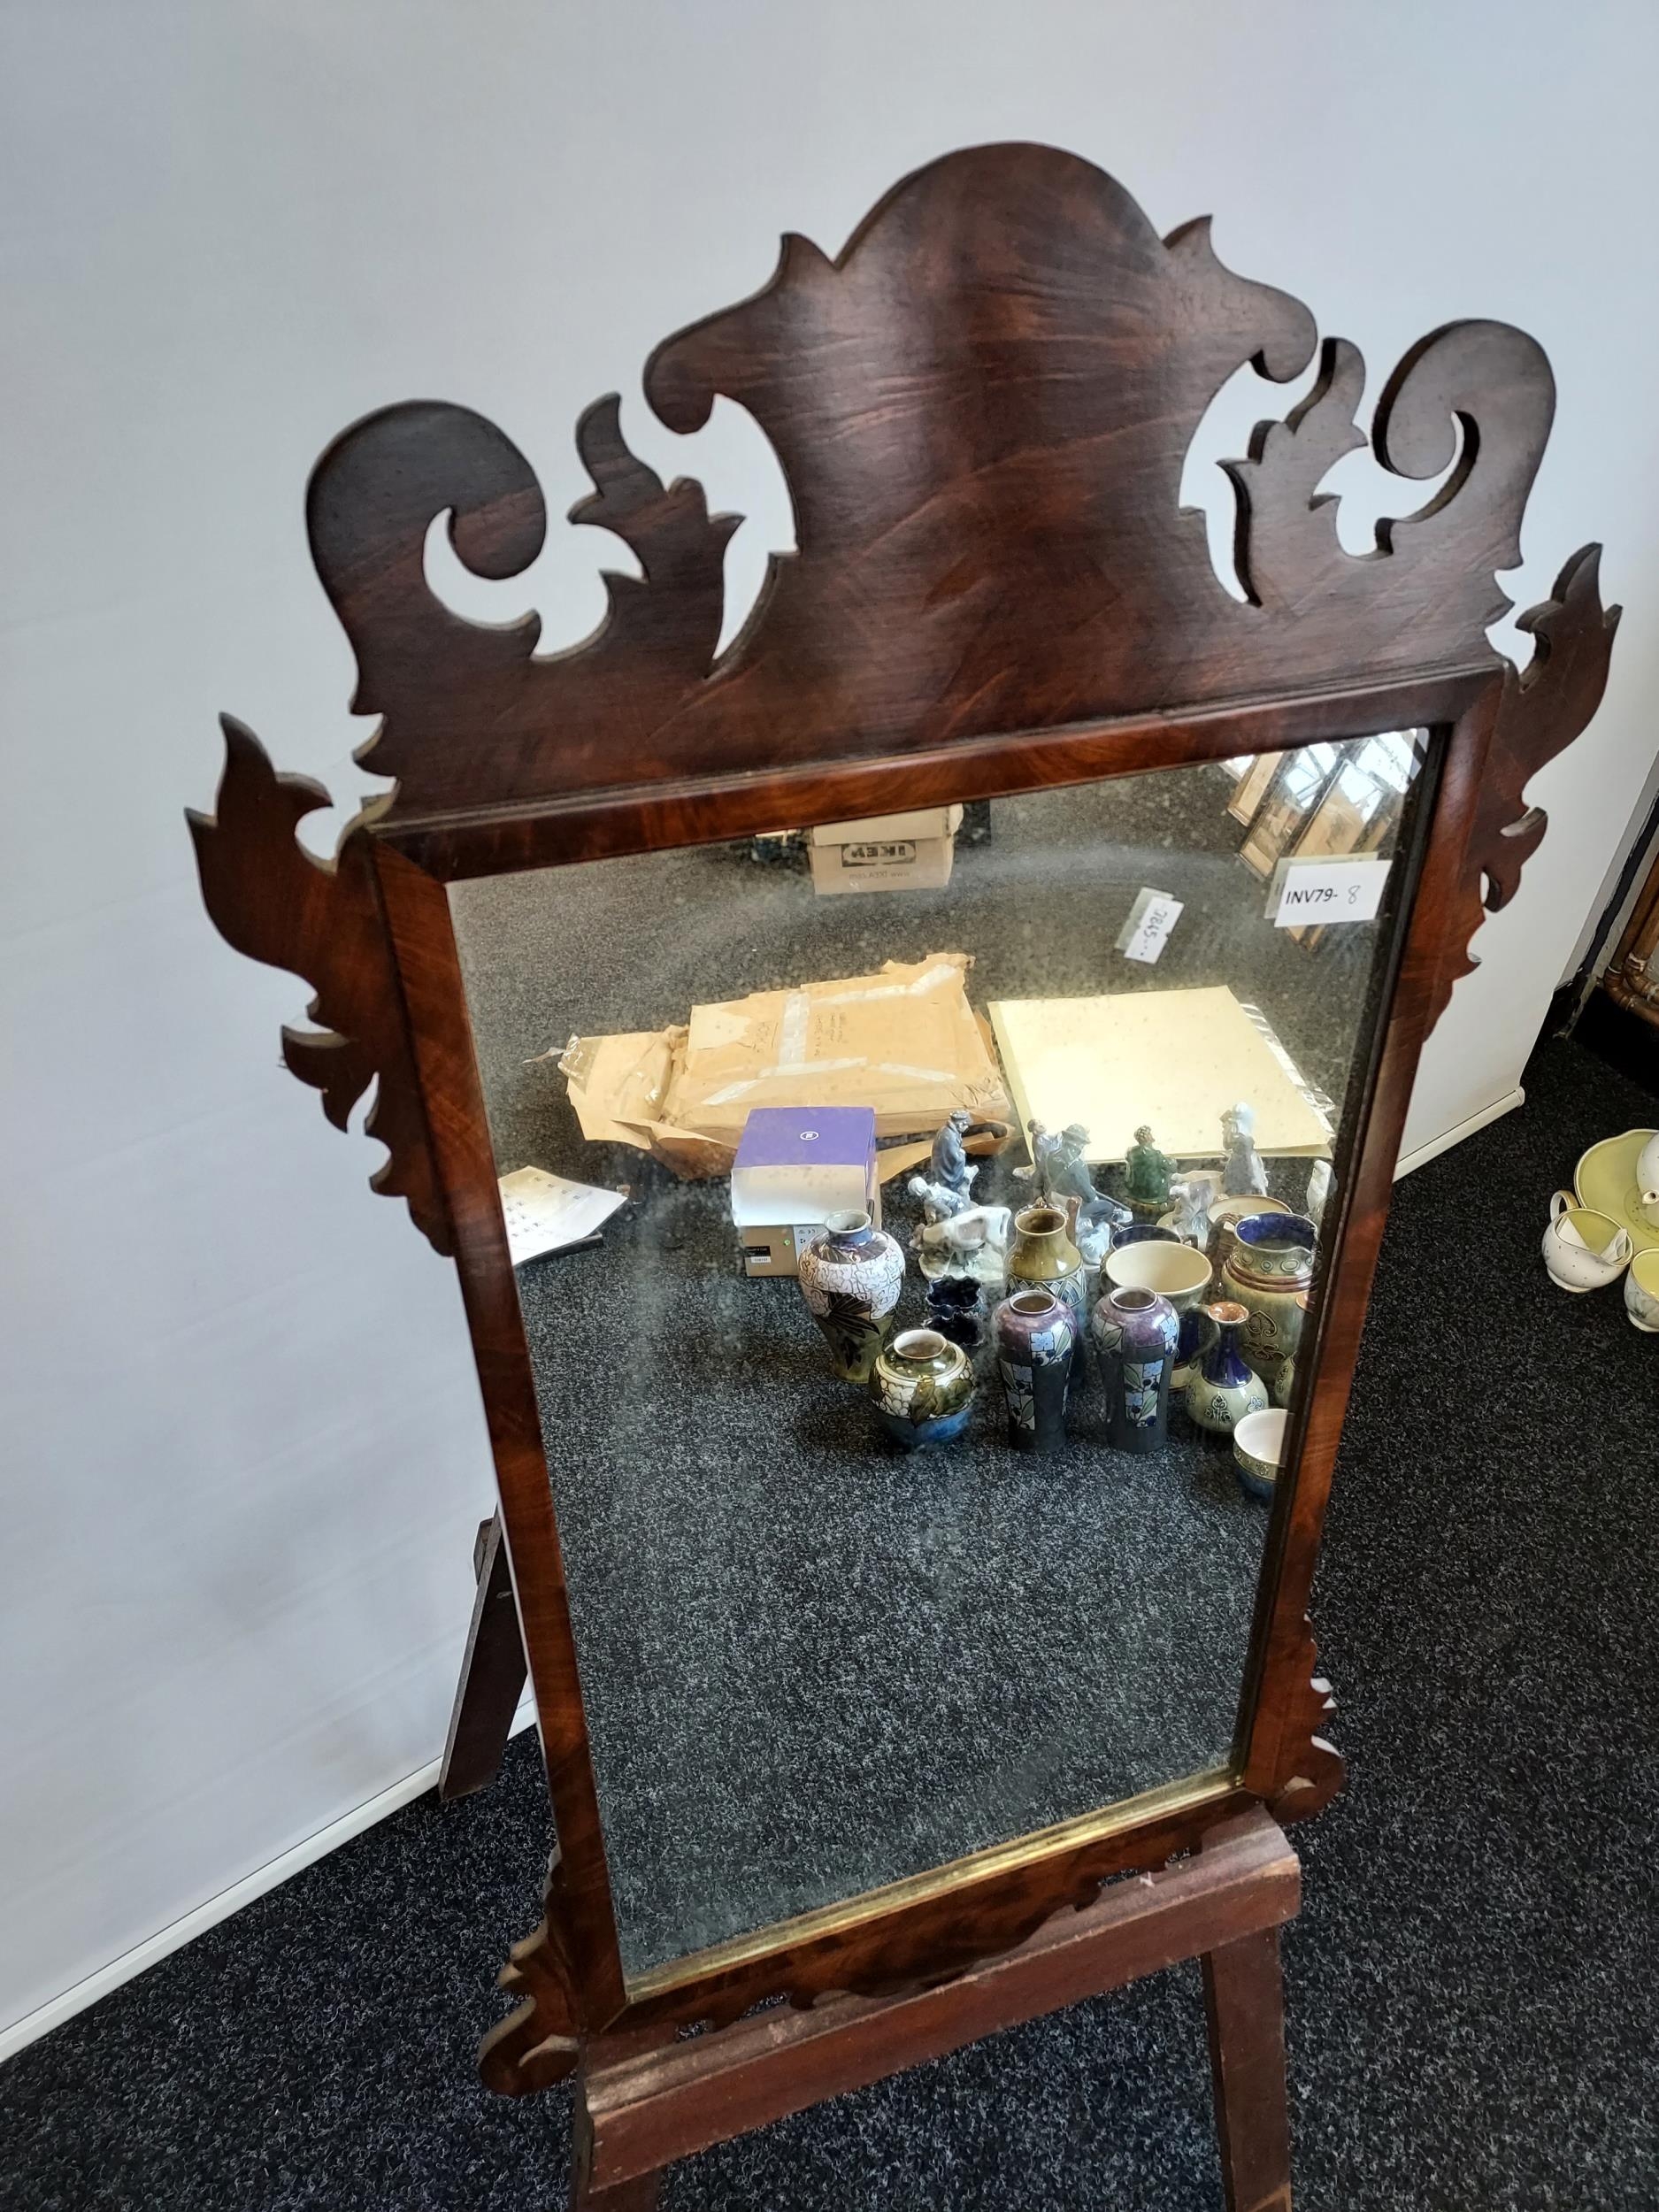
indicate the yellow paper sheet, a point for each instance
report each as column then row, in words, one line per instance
column 1175, row 1060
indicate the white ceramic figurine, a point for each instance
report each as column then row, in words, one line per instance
column 1244, row 1176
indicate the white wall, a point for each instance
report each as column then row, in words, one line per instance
column 243, row 1452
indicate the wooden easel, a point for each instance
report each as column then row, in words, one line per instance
column 642, row 2103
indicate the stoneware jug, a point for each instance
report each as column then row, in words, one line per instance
column 1224, row 1216
column 1135, row 1334
column 1284, row 1387
column 1034, row 1336
column 1043, row 1256
column 1268, row 1267
column 1583, row 1249
column 923, row 1387
column 850, row 1275
column 1222, row 1389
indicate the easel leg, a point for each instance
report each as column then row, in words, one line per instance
column 1244, row 1997
column 639, row 2192
column 638, row 2195
column 492, row 1675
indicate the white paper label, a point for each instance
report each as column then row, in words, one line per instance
column 1327, row 891
column 1151, row 918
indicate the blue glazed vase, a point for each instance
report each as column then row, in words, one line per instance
column 1222, row 1389
column 1034, row 1336
column 1135, row 1332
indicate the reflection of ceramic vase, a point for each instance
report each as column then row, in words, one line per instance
column 850, row 1276
column 1223, row 1390
column 953, row 1308
column 1034, row 1336
column 1043, row 1256
column 1135, row 1332
column 1268, row 1267
column 1176, row 1271
column 923, row 1387
column 1285, row 1381
column 1318, row 1193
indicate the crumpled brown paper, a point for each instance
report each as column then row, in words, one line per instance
column 904, row 1040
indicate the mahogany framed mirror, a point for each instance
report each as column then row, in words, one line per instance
column 823, row 1718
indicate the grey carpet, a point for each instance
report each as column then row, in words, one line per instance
column 1471, row 1983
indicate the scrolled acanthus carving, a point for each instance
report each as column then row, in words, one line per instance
column 472, row 700
column 537, row 2044
column 322, row 921
column 982, row 407
column 1431, row 570
column 1310, row 1768
column 1541, row 709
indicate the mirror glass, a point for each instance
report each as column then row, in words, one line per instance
column 833, row 1631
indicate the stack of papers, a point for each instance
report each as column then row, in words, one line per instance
column 548, row 1213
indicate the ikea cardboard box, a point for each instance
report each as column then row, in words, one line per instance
column 885, row 852
column 797, row 1165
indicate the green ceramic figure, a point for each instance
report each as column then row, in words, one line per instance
column 1147, row 1173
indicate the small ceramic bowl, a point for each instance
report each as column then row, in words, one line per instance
column 1583, row 1249
column 1177, row 1271
column 1641, row 1291
column 1258, row 1449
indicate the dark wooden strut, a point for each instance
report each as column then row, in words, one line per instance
column 982, row 406
column 492, row 1673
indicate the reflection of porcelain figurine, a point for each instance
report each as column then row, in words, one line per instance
column 1094, row 1227
column 1319, row 1191
column 1190, row 1216
column 1243, row 1175
column 1062, row 1173
column 972, row 1242
column 939, row 1200
column 949, row 1162
column 1147, row 1173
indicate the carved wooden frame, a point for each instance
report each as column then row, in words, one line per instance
column 981, row 406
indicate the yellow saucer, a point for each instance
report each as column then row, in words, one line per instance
column 1606, row 1180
